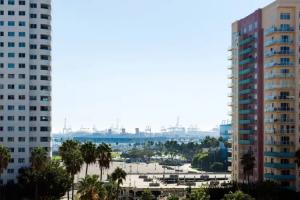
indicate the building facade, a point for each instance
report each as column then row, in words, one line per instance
column 225, row 131
column 265, row 93
column 25, row 80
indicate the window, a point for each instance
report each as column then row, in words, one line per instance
column 11, row 2
column 11, row 55
column 22, row 23
column 11, row 44
column 33, row 5
column 22, row 129
column 11, row 23
column 21, row 160
column 10, row 171
column 285, row 16
column 1, row 23
column 11, row 34
column 33, row 16
column 22, row 34
column 22, row 44
column 22, row 3
column 11, row 12
column 21, row 150
column 22, row 65
column 10, row 65
column 22, row 13
column 22, row 107
column 10, row 128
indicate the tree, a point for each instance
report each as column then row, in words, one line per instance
column 238, row 195
column 104, row 154
column 89, row 154
column 4, row 158
column 199, row 194
column 217, row 167
column 53, row 181
column 118, row 176
column 72, row 159
column 90, row 188
column 248, row 163
column 173, row 197
column 147, row 195
column 39, row 161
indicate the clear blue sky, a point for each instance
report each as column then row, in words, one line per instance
column 144, row 62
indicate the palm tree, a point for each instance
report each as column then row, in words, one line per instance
column 72, row 159
column 118, row 176
column 4, row 158
column 39, row 161
column 297, row 158
column 90, row 188
column 89, row 154
column 104, row 154
column 248, row 162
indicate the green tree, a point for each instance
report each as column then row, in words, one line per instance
column 90, row 188
column 147, row 195
column 248, row 163
column 238, row 195
column 199, row 194
column 4, row 161
column 118, row 176
column 54, row 181
column 72, row 159
column 217, row 167
column 4, row 158
column 39, row 161
column 89, row 154
column 173, row 197
column 104, row 154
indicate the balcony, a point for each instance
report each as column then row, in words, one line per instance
column 279, row 41
column 280, row 98
column 278, row 53
column 278, row 64
column 246, row 132
column 279, row 75
column 281, row 121
column 246, row 91
column 280, row 131
column 246, row 121
column 278, row 30
column 246, row 51
column 280, row 177
column 246, row 111
column 229, row 159
column 280, row 165
column 247, row 71
column 279, row 109
column 246, row 81
column 246, row 41
column 280, row 143
column 246, row 61
column 280, row 154
column 246, row 101
column 229, row 57
column 246, row 142
column 279, row 86
column 230, row 76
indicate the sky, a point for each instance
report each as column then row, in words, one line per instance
column 141, row 63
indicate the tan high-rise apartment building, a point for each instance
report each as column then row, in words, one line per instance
column 265, row 93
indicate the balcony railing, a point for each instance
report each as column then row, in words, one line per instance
column 279, row 41
column 280, row 131
column 246, row 40
column 280, row 177
column 245, row 132
column 246, row 81
column 279, row 86
column 279, row 75
column 270, row 120
column 246, row 101
column 275, row 53
column 246, row 61
column 275, row 30
column 246, row 91
column 246, row 111
column 246, row 51
column 246, row 71
column 279, row 109
column 246, row 121
column 284, row 98
column 246, row 142
column 278, row 63
column 283, row 143
column 280, row 165
column 280, row 154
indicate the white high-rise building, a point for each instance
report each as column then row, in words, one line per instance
column 25, row 80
